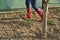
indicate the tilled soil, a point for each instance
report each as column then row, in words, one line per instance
column 14, row 27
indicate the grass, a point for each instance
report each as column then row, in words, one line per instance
column 50, row 22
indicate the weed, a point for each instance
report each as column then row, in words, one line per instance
column 29, row 22
column 50, row 22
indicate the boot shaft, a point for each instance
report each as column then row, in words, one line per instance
column 29, row 10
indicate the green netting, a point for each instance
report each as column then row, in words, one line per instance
column 10, row 4
column 57, row 3
column 14, row 4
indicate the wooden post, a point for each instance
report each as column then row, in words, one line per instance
column 43, row 2
column 45, row 18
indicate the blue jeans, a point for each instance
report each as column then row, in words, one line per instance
column 33, row 3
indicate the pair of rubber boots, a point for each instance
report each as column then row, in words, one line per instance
column 29, row 14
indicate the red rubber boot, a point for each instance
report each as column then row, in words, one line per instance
column 29, row 14
column 40, row 13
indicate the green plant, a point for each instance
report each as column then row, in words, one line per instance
column 50, row 21
column 29, row 21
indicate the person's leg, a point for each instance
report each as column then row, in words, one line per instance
column 33, row 3
column 39, row 11
column 29, row 12
column 27, row 3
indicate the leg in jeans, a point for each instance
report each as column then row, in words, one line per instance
column 39, row 11
column 29, row 12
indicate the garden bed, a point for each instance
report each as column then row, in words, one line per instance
column 14, row 27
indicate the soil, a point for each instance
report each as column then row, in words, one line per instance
column 14, row 27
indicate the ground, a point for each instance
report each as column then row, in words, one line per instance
column 14, row 27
